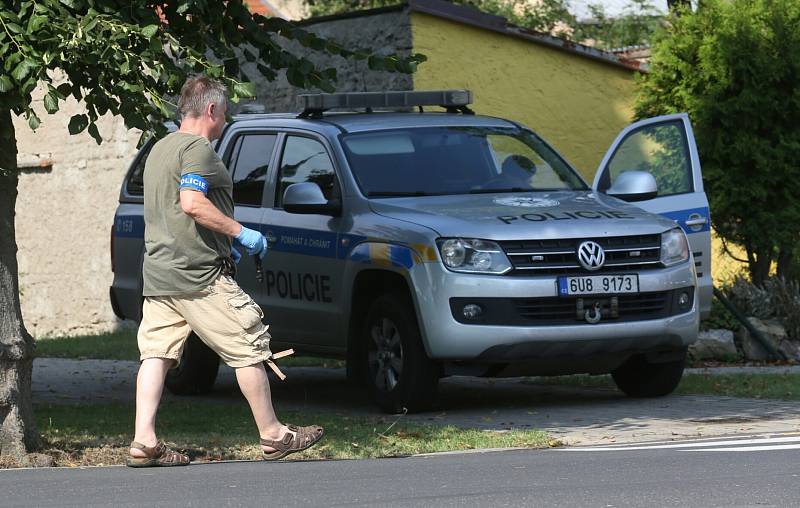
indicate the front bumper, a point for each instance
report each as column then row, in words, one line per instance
column 447, row 339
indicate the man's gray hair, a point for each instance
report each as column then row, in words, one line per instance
column 198, row 92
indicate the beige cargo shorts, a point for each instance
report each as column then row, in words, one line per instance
column 222, row 315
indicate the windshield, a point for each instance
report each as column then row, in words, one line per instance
column 455, row 160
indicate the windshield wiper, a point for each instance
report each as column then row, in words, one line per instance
column 388, row 194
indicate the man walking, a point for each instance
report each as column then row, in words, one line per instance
column 188, row 283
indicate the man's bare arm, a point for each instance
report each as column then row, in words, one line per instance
column 197, row 206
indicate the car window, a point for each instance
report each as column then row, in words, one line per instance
column 660, row 149
column 136, row 181
column 455, row 160
column 305, row 160
column 250, row 161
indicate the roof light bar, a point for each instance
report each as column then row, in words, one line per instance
column 455, row 100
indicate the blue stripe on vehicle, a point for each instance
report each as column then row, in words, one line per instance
column 360, row 254
column 307, row 242
column 383, row 255
column 681, row 216
column 401, row 256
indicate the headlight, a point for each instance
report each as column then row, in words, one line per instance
column 473, row 256
column 674, row 247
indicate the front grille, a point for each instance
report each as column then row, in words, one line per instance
column 562, row 310
column 559, row 257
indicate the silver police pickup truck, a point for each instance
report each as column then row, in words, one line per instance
column 419, row 244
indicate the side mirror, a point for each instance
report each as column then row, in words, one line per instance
column 634, row 186
column 307, row 198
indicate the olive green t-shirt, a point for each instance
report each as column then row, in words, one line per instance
column 181, row 255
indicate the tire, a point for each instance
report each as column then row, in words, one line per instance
column 639, row 378
column 197, row 371
column 399, row 373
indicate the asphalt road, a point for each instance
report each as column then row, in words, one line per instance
column 738, row 472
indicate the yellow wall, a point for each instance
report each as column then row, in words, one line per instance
column 577, row 104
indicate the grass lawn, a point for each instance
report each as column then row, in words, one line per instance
column 100, row 434
column 121, row 345
column 755, row 386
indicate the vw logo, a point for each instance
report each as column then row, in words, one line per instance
column 591, row 255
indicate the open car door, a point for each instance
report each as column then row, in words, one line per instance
column 664, row 146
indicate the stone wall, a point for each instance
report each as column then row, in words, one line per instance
column 391, row 32
column 63, row 222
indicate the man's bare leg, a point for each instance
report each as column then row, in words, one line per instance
column 149, row 385
column 254, row 383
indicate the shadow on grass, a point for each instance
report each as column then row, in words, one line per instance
column 100, row 434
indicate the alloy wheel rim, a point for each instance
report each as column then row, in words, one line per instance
column 385, row 354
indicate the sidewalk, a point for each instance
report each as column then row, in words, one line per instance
column 574, row 415
column 769, row 369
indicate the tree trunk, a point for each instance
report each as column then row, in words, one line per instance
column 17, row 428
column 786, row 261
column 759, row 264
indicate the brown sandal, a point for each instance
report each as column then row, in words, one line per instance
column 158, row 455
column 303, row 438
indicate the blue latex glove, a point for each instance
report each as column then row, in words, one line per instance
column 236, row 255
column 253, row 242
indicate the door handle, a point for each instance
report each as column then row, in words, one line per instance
column 696, row 220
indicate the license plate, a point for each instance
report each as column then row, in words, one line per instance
column 598, row 285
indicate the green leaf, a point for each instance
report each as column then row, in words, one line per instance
column 231, row 66
column 215, row 71
column 305, row 66
column 88, row 27
column 77, row 124
column 329, row 73
column 93, row 132
column 13, row 27
column 33, row 121
column 149, row 31
column 266, row 71
column 377, row 63
column 51, row 103
column 244, row 90
column 9, row 16
column 10, row 62
column 23, row 69
column 36, row 23
column 5, row 84
column 54, row 91
column 295, row 77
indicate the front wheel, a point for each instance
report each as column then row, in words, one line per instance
column 639, row 378
column 197, row 371
column 400, row 374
